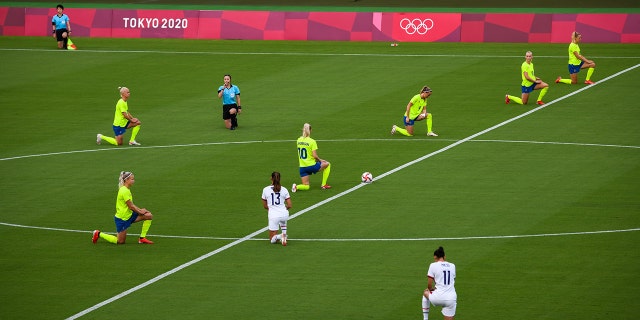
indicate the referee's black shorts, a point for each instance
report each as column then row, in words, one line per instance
column 59, row 33
column 226, row 108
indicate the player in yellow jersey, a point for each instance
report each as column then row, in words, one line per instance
column 577, row 62
column 416, row 111
column 529, row 83
column 122, row 120
column 309, row 161
column 127, row 213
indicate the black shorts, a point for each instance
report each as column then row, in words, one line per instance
column 225, row 110
column 59, row 33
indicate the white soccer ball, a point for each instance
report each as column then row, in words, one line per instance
column 367, row 177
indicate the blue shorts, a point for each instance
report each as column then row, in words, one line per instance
column 575, row 69
column 410, row 123
column 122, row 225
column 529, row 88
column 118, row 131
column 305, row 171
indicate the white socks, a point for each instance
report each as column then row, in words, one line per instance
column 425, row 308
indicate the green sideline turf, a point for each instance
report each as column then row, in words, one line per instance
column 519, row 209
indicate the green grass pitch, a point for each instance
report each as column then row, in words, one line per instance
column 541, row 214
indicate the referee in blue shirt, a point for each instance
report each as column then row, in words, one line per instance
column 61, row 27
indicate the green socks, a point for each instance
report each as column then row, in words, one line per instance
column 325, row 175
column 110, row 140
column 589, row 73
column 542, row 93
column 108, row 237
column 515, row 99
column 145, row 227
column 134, row 133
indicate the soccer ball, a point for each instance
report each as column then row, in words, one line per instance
column 367, row 177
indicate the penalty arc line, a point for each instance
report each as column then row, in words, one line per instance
column 38, row 155
column 297, row 214
column 351, row 239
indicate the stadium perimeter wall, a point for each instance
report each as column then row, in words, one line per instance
column 329, row 26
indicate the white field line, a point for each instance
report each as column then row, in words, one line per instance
column 314, row 54
column 326, row 140
column 560, row 234
column 212, row 253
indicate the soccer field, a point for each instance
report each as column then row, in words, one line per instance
column 537, row 206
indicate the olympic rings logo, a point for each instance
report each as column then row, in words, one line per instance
column 416, row 25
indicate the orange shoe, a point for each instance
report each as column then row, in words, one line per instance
column 506, row 99
column 326, row 186
column 558, row 79
column 96, row 235
column 145, row 241
column 540, row 103
column 588, row 82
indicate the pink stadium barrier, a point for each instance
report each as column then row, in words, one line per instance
column 331, row 26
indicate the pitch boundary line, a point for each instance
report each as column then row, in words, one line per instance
column 299, row 213
column 409, row 55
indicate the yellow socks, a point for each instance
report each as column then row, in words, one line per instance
column 108, row 237
column 542, row 93
column 429, row 122
column 145, row 227
column 516, row 99
column 303, row 187
column 325, row 175
column 589, row 73
column 566, row 81
column 110, row 140
column 134, row 133
column 403, row 132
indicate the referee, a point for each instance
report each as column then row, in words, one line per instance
column 61, row 27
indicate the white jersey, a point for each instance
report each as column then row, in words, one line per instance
column 444, row 274
column 276, row 201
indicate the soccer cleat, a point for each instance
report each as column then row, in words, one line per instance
column 134, row 143
column 284, row 240
column 393, row 129
column 558, row 79
column 145, row 241
column 294, row 188
column 588, row 82
column 431, row 134
column 326, row 186
column 539, row 102
column 506, row 99
column 98, row 138
column 96, row 235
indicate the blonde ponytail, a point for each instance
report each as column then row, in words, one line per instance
column 306, row 130
column 124, row 175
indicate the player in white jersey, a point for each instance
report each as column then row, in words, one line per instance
column 277, row 200
column 441, row 289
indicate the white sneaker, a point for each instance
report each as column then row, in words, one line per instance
column 99, row 138
column 284, row 240
column 432, row 134
column 134, row 143
column 393, row 129
column 294, row 188
column 274, row 240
